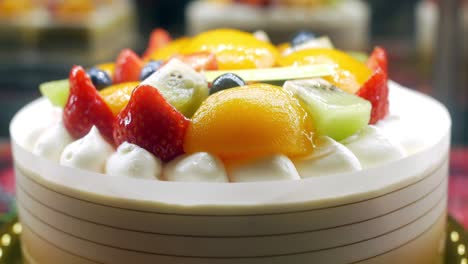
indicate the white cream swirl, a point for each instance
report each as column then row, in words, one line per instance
column 273, row 168
column 329, row 157
column 372, row 147
column 133, row 161
column 89, row 152
column 52, row 142
column 197, row 167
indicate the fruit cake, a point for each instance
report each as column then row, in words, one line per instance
column 64, row 31
column 345, row 21
column 224, row 148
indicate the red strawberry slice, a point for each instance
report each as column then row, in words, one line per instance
column 378, row 58
column 85, row 107
column 200, row 61
column 127, row 67
column 375, row 90
column 158, row 39
column 150, row 122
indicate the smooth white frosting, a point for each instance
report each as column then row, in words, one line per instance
column 52, row 141
column 372, row 147
column 89, row 152
column 329, row 157
column 197, row 167
column 273, row 168
column 133, row 161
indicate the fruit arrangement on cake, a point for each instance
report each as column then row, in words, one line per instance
column 236, row 146
column 174, row 105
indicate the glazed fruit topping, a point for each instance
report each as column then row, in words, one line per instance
column 375, row 89
column 234, row 49
column 334, row 113
column 150, row 122
column 150, row 68
column 181, row 85
column 378, row 59
column 99, row 78
column 159, row 38
column 249, row 121
column 85, row 108
column 349, row 73
column 56, row 91
column 301, row 37
column 168, row 51
column 118, row 95
column 127, row 67
column 148, row 102
column 226, row 81
column 200, row 61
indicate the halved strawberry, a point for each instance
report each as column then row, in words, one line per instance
column 158, row 39
column 375, row 90
column 200, row 61
column 150, row 122
column 378, row 58
column 85, row 107
column 127, row 67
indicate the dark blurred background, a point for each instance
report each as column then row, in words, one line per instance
column 403, row 27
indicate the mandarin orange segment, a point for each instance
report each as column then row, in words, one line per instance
column 234, row 49
column 170, row 50
column 250, row 121
column 117, row 96
column 282, row 47
column 350, row 73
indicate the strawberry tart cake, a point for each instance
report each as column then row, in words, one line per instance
column 224, row 148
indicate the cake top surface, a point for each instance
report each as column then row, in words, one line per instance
column 427, row 143
column 228, row 106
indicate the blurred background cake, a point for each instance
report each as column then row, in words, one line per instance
column 427, row 21
column 344, row 21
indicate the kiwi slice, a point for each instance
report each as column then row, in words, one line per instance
column 181, row 86
column 335, row 113
column 56, row 91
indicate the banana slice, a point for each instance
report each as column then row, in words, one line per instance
column 329, row 157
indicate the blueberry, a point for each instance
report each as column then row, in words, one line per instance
column 301, row 37
column 150, row 68
column 99, row 78
column 226, row 81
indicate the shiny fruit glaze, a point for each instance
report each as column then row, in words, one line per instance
column 249, row 121
column 234, row 49
column 118, row 95
column 350, row 74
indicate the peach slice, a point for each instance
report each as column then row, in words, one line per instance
column 250, row 121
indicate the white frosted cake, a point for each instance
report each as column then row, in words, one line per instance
column 358, row 194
